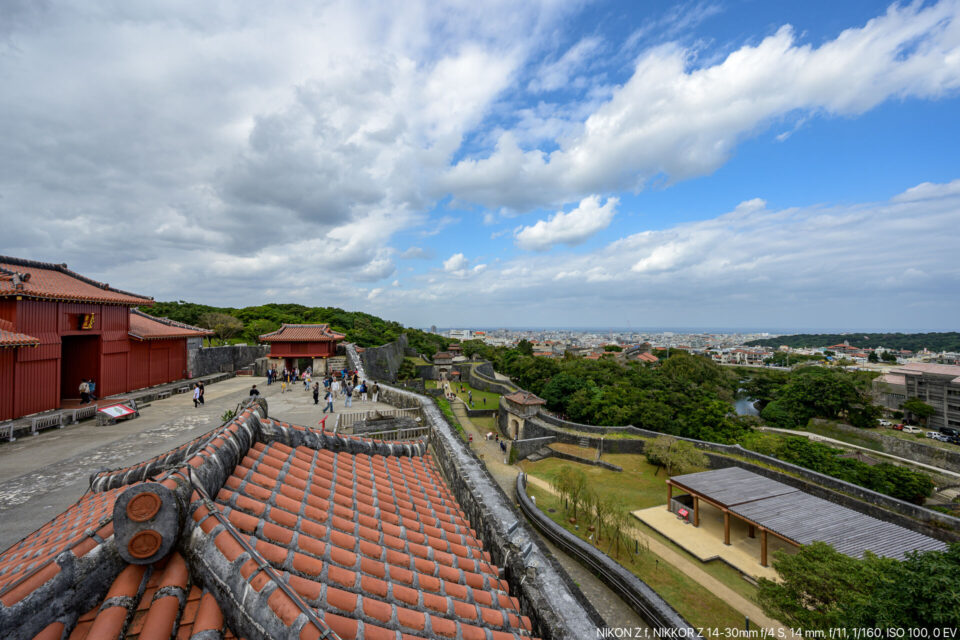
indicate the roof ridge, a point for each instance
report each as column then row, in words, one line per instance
column 62, row 268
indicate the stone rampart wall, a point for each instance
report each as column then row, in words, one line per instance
column 202, row 362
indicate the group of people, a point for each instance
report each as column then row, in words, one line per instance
column 87, row 390
column 198, row 390
column 288, row 377
column 344, row 387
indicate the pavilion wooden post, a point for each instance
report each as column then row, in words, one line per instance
column 726, row 527
column 763, row 547
column 669, row 494
column 696, row 511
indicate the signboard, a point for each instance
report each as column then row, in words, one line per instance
column 87, row 320
column 683, row 513
column 117, row 411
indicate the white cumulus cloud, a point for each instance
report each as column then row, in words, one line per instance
column 568, row 228
column 682, row 122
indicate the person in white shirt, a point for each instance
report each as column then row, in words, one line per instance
column 196, row 396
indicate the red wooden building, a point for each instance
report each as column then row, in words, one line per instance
column 58, row 327
column 293, row 343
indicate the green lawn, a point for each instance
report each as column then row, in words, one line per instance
column 485, row 423
column 638, row 484
column 418, row 361
column 693, row 601
column 492, row 399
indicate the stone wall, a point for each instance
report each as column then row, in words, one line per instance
column 479, row 380
column 382, row 363
column 917, row 450
column 520, row 449
column 202, row 362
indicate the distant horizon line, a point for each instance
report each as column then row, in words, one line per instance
column 701, row 330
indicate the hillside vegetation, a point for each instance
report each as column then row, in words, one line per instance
column 947, row 341
column 361, row 328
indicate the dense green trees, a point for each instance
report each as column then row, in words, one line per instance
column 676, row 456
column 889, row 479
column 820, row 588
column 947, row 341
column 819, row 392
column 362, row 328
column 919, row 408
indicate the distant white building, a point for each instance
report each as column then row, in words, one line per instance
column 460, row 334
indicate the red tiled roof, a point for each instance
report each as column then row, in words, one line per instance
column 363, row 538
column 10, row 337
column 302, row 333
column 146, row 327
column 46, row 281
column 525, row 397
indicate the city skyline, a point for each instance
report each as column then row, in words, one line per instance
column 695, row 165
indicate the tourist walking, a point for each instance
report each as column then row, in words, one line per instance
column 335, row 387
column 355, row 379
column 84, row 392
column 363, row 391
column 316, row 393
column 328, row 399
column 349, row 392
column 254, row 392
column 269, row 377
column 202, row 391
column 375, row 390
column 91, row 389
column 196, row 395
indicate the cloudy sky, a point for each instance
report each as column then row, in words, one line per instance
column 727, row 164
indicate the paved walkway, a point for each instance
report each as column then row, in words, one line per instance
column 722, row 591
column 611, row 607
column 706, row 541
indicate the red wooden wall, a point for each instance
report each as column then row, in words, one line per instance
column 303, row 349
column 33, row 379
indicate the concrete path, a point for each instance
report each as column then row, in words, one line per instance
column 611, row 607
column 42, row 475
column 722, row 591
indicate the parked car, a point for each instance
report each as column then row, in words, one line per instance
column 942, row 438
column 953, row 439
column 898, row 427
column 933, row 434
column 949, row 431
column 910, row 429
column 886, row 423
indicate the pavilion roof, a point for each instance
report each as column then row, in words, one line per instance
column 302, row 333
column 525, row 397
column 47, row 281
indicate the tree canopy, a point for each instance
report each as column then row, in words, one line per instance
column 820, row 588
column 361, row 328
column 946, row 341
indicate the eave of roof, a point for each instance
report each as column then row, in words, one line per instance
column 147, row 327
column 55, row 282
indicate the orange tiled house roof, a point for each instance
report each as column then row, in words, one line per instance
column 10, row 337
column 47, row 281
column 147, row 327
column 302, row 333
column 283, row 532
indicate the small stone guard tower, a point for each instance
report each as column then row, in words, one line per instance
column 520, row 405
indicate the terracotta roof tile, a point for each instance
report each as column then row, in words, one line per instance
column 43, row 280
column 10, row 337
column 525, row 398
column 147, row 327
column 370, row 545
column 302, row 333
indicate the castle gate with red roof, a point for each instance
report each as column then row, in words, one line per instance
column 58, row 327
column 291, row 342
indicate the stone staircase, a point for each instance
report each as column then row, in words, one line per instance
column 540, row 454
column 583, row 442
